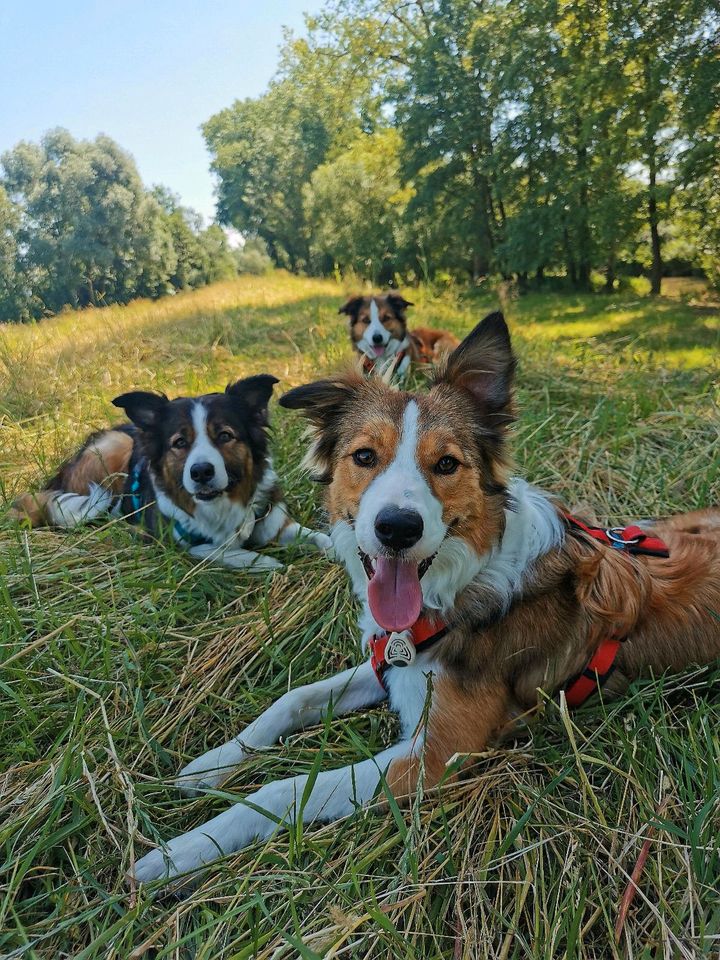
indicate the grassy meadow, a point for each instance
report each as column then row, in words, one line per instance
column 120, row 661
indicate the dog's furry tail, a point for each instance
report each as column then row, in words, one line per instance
column 59, row 509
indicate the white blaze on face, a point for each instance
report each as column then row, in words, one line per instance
column 203, row 450
column 394, row 592
column 376, row 329
column 403, row 485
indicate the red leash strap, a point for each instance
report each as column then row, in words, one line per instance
column 423, row 634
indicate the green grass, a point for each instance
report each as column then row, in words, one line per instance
column 121, row 661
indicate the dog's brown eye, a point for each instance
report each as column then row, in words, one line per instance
column 365, row 457
column 224, row 436
column 446, row 465
column 366, row 320
column 179, row 443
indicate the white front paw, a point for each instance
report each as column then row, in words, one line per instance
column 323, row 542
column 185, row 853
column 262, row 564
column 239, row 560
column 208, row 771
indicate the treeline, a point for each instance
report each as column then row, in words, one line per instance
column 78, row 228
column 421, row 138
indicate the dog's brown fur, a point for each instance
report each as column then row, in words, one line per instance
column 431, row 346
column 104, row 459
column 578, row 594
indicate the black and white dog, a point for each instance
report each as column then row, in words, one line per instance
column 198, row 465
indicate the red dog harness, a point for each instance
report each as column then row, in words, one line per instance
column 400, row 649
column 630, row 540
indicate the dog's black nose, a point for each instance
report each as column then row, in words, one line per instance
column 377, row 339
column 397, row 528
column 202, row 472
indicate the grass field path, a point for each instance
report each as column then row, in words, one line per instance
column 120, row 661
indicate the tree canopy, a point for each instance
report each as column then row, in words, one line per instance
column 483, row 136
column 78, row 228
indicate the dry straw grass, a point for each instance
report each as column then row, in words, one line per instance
column 122, row 660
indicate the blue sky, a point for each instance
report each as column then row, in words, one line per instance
column 146, row 72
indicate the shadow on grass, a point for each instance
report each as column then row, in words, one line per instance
column 661, row 325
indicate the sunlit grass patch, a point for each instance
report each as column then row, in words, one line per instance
column 121, row 660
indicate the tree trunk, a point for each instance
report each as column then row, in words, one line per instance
column 583, row 231
column 610, row 274
column 571, row 271
column 655, row 242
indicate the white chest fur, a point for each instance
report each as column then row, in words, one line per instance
column 223, row 522
column 409, row 689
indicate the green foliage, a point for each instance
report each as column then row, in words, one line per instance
column 78, row 228
column 356, row 205
column 252, row 258
column 11, row 299
column 264, row 152
column 529, row 138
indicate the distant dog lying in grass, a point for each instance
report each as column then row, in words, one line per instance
column 379, row 333
column 477, row 589
column 197, row 464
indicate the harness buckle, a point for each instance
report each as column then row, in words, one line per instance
column 615, row 536
column 400, row 650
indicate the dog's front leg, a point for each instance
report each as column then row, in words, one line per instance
column 462, row 720
column 402, row 369
column 350, row 690
column 278, row 525
column 334, row 794
column 235, row 558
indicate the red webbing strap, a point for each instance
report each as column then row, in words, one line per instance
column 601, row 665
column 631, row 539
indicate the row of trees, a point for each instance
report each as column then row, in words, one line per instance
column 77, row 227
column 524, row 137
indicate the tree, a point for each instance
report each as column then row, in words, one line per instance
column 355, row 206
column 264, row 152
column 11, row 305
column 83, row 210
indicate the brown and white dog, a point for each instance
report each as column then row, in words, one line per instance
column 379, row 333
column 473, row 581
column 198, row 465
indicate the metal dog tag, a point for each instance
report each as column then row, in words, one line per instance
column 400, row 651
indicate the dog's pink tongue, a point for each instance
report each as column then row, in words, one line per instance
column 379, row 351
column 395, row 594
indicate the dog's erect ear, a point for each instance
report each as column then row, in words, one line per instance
column 399, row 304
column 352, row 306
column 322, row 400
column 256, row 392
column 144, row 409
column 323, row 403
column 484, row 366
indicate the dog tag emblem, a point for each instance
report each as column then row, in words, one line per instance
column 400, row 651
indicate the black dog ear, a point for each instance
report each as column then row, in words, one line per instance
column 484, row 366
column 352, row 306
column 144, row 409
column 323, row 403
column 256, row 392
column 398, row 303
